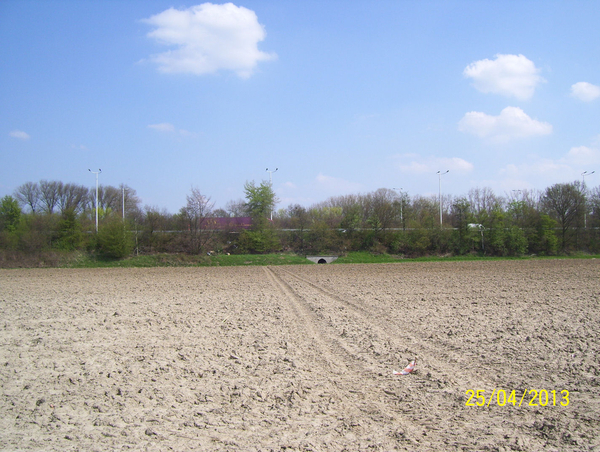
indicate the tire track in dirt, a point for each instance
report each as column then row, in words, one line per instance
column 353, row 381
column 439, row 379
column 454, row 364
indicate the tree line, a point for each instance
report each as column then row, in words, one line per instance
column 51, row 215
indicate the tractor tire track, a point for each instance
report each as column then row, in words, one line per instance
column 441, row 376
column 352, row 380
column 454, row 367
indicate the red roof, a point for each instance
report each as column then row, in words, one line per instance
column 230, row 222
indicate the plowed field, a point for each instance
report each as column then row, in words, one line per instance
column 301, row 358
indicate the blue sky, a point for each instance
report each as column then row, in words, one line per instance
column 342, row 96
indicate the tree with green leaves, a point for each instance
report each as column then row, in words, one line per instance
column 114, row 240
column 564, row 203
column 461, row 217
column 68, row 232
column 10, row 214
column 260, row 202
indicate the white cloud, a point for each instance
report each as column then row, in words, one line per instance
column 163, row 127
column 416, row 164
column 511, row 123
column 207, row 38
column 508, row 75
column 547, row 171
column 19, row 134
column 583, row 155
column 336, row 185
column 585, row 91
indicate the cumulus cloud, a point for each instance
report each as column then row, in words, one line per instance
column 207, row 38
column 19, row 134
column 508, row 75
column 585, row 91
column 511, row 123
column 416, row 164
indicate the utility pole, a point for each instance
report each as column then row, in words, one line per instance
column 585, row 173
column 401, row 203
column 271, row 184
column 96, row 173
column 440, row 174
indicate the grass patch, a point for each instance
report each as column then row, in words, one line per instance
column 259, row 259
column 184, row 260
column 364, row 257
column 84, row 260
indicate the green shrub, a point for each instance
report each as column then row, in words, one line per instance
column 515, row 242
column 114, row 240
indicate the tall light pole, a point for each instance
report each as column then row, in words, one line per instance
column 401, row 202
column 96, row 173
column 271, row 184
column 585, row 173
column 440, row 174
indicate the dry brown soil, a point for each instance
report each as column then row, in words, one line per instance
column 301, row 357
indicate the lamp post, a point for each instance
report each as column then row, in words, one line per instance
column 440, row 174
column 96, row 173
column 585, row 173
column 271, row 184
column 401, row 202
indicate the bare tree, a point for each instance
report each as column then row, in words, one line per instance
column 29, row 194
column 484, row 201
column 298, row 220
column 384, row 208
column 109, row 197
column 72, row 197
column 237, row 208
column 130, row 202
column 49, row 194
column 196, row 217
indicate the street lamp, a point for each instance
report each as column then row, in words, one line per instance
column 440, row 174
column 96, row 173
column 401, row 202
column 585, row 173
column 271, row 184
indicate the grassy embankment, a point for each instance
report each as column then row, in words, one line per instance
column 182, row 260
column 84, row 260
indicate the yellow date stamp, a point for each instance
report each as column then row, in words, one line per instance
column 529, row 397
